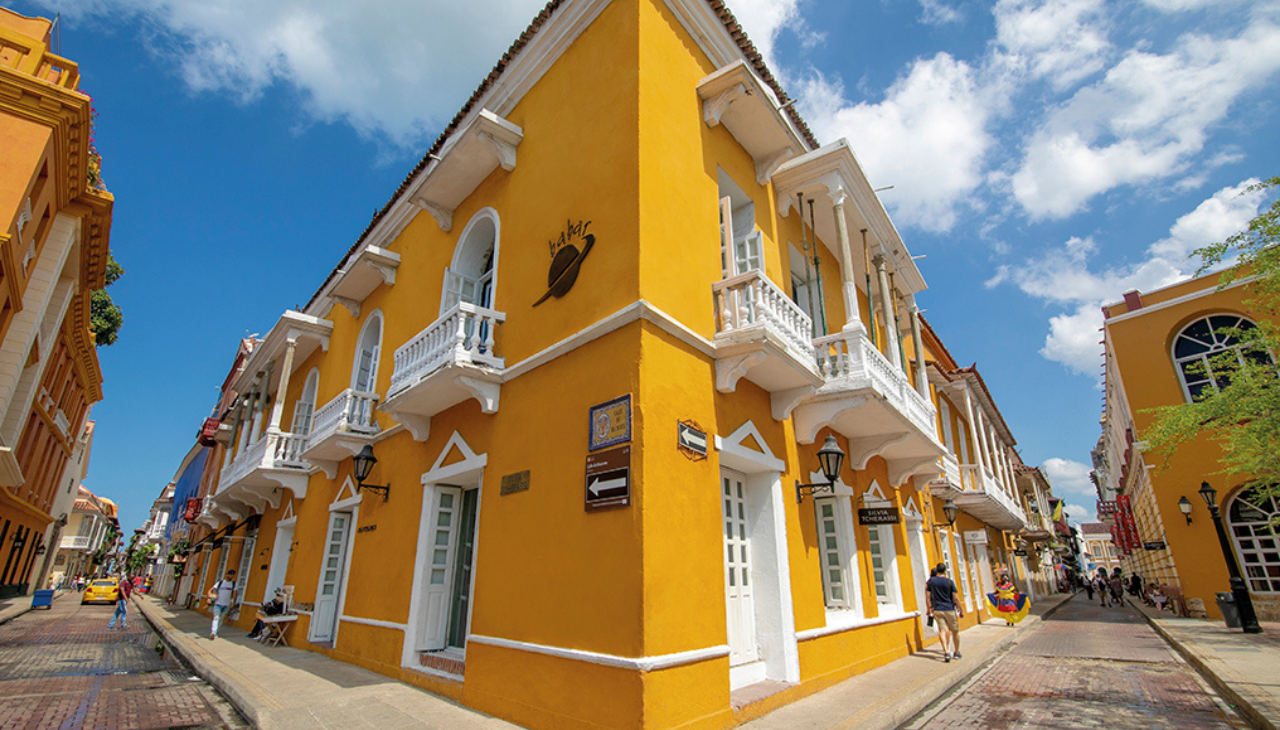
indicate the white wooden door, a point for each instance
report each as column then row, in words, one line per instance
column 739, row 603
column 919, row 570
column 442, row 550
column 242, row 573
column 279, row 560
column 331, row 575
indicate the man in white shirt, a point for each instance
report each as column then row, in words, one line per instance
column 222, row 596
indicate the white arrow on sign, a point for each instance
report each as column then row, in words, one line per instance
column 603, row 485
column 693, row 439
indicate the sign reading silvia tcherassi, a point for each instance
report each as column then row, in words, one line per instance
column 608, row 479
column 566, row 259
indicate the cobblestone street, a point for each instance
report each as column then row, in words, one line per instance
column 62, row 669
column 1086, row 666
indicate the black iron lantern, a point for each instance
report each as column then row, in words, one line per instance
column 830, row 459
column 362, row 466
column 950, row 509
column 1209, row 494
column 1184, row 504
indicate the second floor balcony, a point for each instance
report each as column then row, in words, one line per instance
column 869, row 400
column 987, row 499
column 74, row 542
column 257, row 473
column 761, row 335
column 454, row 359
column 340, row 429
column 949, row 484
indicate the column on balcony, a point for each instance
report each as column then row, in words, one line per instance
column 972, row 417
column 849, row 282
column 922, row 376
column 892, row 351
column 282, row 388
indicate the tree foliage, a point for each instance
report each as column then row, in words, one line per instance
column 105, row 317
column 1242, row 414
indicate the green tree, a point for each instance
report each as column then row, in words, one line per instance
column 105, row 317
column 1242, row 413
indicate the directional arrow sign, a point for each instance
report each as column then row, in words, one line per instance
column 692, row 439
column 608, row 479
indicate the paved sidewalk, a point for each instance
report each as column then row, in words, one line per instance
column 886, row 697
column 11, row 608
column 282, row 688
column 1244, row 668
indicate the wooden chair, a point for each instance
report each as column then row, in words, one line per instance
column 276, row 626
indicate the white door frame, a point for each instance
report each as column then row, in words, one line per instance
column 350, row 505
column 467, row 473
column 771, row 567
column 281, row 551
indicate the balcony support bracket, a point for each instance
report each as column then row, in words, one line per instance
column 485, row 393
column 861, row 450
column 785, row 401
column 900, row 470
column 730, row 370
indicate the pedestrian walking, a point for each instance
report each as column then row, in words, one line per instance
column 944, row 606
column 1135, row 585
column 122, row 601
column 1088, row 588
column 1117, row 587
column 222, row 596
column 1103, row 586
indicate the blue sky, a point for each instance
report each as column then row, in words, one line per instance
column 1045, row 157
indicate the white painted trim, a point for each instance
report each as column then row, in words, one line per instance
column 374, row 622
column 860, row 624
column 746, row 460
column 342, row 505
column 485, row 213
column 639, row 309
column 1176, row 301
column 290, row 522
column 642, row 664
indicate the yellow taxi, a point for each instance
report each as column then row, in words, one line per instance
column 101, row 590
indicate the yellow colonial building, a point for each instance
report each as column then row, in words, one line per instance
column 1155, row 344
column 550, row 439
column 55, row 219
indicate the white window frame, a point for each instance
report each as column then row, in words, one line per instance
column 845, row 552
column 374, row 320
column 1205, row 357
column 889, row 574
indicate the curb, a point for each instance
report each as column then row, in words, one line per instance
column 6, row 618
column 903, row 710
column 195, row 657
column 1203, row 666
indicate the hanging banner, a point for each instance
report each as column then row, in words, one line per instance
column 193, row 509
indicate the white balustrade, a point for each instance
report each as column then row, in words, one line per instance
column 74, row 542
column 275, row 450
column 351, row 411
column 751, row 299
column 462, row 335
column 951, row 469
column 853, row 357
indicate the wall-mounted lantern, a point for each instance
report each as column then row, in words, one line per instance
column 1184, row 504
column 363, row 464
column 830, row 459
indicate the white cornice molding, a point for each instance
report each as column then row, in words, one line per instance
column 1147, row 309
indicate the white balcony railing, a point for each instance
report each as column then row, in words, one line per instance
column 463, row 335
column 853, row 357
column 275, row 450
column 951, row 469
column 351, row 410
column 74, row 542
column 751, row 299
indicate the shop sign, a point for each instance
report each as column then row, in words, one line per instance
column 1020, row 553
column 608, row 480
column 1153, row 545
column 975, row 537
column 689, row 438
column 193, row 510
column 879, row 516
column 610, row 423
column 512, row 483
column 566, row 259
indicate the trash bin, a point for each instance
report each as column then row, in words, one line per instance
column 42, row 599
column 1230, row 614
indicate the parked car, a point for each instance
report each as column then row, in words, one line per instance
column 101, row 590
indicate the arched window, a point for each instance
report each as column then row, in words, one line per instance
column 306, row 405
column 1250, row 517
column 470, row 277
column 364, row 373
column 1197, row 345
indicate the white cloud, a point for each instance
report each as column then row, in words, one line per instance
column 1064, row 277
column 937, row 12
column 1145, row 120
column 392, row 70
column 927, row 138
column 1069, row 480
column 1063, row 41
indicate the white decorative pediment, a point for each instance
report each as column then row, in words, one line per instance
column 466, row 469
column 346, row 498
column 909, row 511
column 737, row 453
column 874, row 496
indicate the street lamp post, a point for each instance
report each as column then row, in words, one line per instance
column 1244, row 604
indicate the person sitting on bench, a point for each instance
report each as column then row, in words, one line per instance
column 274, row 607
